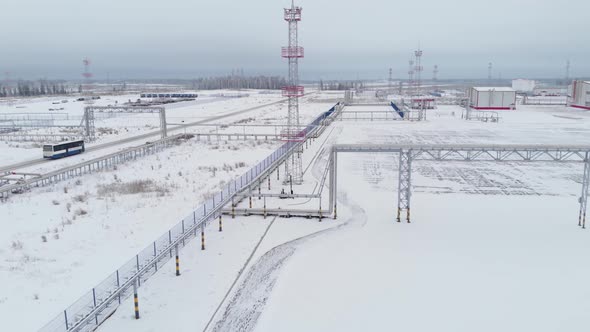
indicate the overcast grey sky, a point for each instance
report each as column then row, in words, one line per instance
column 342, row 39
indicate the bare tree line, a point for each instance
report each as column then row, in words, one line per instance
column 335, row 85
column 239, row 82
column 34, row 88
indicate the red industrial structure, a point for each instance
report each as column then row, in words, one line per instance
column 580, row 95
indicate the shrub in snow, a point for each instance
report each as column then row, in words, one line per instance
column 43, row 238
column 78, row 182
column 17, row 245
column 80, row 212
column 69, row 207
column 80, row 198
column 55, row 202
column 65, row 190
column 133, row 187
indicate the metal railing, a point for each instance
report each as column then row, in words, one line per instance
column 19, row 136
column 98, row 304
column 89, row 166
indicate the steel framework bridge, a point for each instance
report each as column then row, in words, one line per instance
column 88, row 119
column 495, row 153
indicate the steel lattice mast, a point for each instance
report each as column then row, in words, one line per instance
column 294, row 169
column 418, row 69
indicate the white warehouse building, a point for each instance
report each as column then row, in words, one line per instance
column 492, row 98
column 579, row 95
column 522, row 85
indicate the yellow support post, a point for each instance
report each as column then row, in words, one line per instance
column 202, row 239
column 135, row 300
column 177, row 262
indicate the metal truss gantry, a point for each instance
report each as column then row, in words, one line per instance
column 495, row 153
column 88, row 119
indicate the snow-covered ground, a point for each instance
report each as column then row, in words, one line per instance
column 270, row 116
column 59, row 241
column 113, row 127
column 491, row 247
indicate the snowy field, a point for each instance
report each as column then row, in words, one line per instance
column 268, row 115
column 492, row 247
column 60, row 241
column 113, row 127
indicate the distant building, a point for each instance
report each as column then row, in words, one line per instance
column 522, row 85
column 492, row 98
column 579, row 95
column 549, row 91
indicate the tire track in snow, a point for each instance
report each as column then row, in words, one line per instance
column 249, row 300
column 240, row 273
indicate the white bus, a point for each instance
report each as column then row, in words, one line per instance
column 60, row 150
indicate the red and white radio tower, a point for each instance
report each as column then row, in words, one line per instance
column 418, row 69
column 86, row 74
column 294, row 168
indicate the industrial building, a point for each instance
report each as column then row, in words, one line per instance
column 549, row 91
column 169, row 95
column 492, row 98
column 579, row 95
column 522, row 85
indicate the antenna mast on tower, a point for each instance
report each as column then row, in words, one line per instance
column 86, row 85
column 86, row 74
column 293, row 165
column 418, row 68
column 435, row 76
column 390, row 82
column 435, row 73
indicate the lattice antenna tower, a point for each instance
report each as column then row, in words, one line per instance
column 390, row 81
column 435, row 76
column 567, row 72
column 418, row 68
column 410, row 76
column 87, row 76
column 293, row 52
column 435, row 73
column 490, row 71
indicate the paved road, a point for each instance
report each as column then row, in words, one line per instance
column 34, row 162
